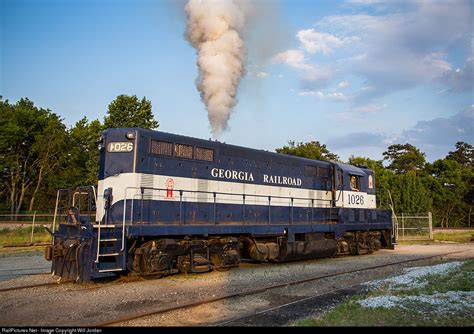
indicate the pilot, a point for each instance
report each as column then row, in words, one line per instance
column 354, row 183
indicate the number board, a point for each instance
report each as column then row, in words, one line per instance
column 120, row 147
column 355, row 199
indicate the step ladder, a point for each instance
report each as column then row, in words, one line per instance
column 109, row 248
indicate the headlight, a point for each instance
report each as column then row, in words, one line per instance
column 131, row 135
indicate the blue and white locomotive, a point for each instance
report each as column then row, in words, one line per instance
column 168, row 203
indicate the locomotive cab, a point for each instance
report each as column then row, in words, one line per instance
column 354, row 187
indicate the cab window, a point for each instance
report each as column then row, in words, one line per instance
column 354, row 183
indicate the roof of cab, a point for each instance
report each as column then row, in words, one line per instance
column 353, row 170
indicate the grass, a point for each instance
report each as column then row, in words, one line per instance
column 453, row 237
column 412, row 313
column 460, row 237
column 19, row 235
column 12, row 250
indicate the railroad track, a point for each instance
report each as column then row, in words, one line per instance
column 80, row 287
column 264, row 289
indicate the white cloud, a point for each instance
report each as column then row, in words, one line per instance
column 262, row 74
column 395, row 50
column 343, row 84
column 297, row 60
column 369, row 108
column 405, row 48
column 291, row 57
column 314, row 42
column 334, row 96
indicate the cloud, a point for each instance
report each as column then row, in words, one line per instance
column 335, row 96
column 435, row 137
column 343, row 84
column 407, row 48
column 443, row 131
column 262, row 74
column 391, row 51
column 314, row 42
column 368, row 108
column 297, row 60
column 461, row 79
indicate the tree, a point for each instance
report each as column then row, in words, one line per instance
column 82, row 166
column 50, row 147
column 128, row 111
column 409, row 193
column 449, row 186
column 32, row 146
column 404, row 158
column 310, row 150
column 464, row 154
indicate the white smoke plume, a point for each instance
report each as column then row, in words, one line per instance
column 215, row 28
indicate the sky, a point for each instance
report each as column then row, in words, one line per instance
column 356, row 75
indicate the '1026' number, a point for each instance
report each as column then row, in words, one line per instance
column 356, row 199
column 120, row 147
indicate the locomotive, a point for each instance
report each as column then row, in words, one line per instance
column 168, row 203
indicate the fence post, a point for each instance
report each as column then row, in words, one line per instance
column 395, row 225
column 33, row 226
column 430, row 222
column 403, row 227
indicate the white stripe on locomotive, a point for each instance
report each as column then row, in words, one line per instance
column 127, row 185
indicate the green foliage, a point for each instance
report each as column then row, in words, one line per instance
column 404, row 158
column 409, row 194
column 128, row 111
column 464, row 154
column 84, row 154
column 32, row 146
column 450, row 185
column 310, row 150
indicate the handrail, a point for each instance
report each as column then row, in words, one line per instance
column 77, row 193
column 236, row 194
column 55, row 211
column 214, row 194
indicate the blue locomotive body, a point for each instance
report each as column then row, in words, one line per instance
column 168, row 203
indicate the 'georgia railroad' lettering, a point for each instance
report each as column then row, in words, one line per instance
column 231, row 174
column 248, row 176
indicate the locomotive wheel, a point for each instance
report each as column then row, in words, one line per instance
column 217, row 263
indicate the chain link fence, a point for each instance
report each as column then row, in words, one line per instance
column 413, row 226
